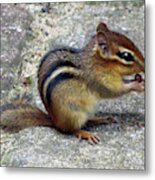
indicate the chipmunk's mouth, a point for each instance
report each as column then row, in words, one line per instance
column 139, row 77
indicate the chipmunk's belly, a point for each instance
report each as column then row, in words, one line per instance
column 72, row 105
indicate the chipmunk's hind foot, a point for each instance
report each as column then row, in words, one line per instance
column 90, row 137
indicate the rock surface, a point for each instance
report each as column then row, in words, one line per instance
column 71, row 24
column 14, row 25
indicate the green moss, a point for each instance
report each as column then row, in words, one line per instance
column 5, row 160
column 28, row 80
column 92, row 2
column 138, row 3
column 50, row 43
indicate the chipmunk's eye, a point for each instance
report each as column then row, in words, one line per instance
column 126, row 55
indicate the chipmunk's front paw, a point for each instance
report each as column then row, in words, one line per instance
column 134, row 83
column 138, row 86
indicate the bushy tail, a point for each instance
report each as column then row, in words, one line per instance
column 22, row 115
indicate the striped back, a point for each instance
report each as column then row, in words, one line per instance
column 53, row 71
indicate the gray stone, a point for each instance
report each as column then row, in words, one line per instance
column 14, row 24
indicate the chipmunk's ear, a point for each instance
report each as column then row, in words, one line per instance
column 102, row 42
column 102, row 27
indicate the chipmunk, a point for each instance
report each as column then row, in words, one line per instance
column 71, row 82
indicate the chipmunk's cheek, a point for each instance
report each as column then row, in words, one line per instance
column 134, row 82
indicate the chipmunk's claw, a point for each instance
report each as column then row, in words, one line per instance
column 90, row 137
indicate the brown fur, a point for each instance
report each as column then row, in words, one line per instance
column 19, row 114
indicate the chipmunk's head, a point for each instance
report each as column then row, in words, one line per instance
column 118, row 54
